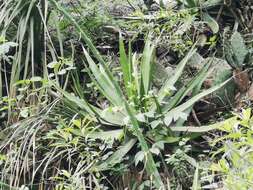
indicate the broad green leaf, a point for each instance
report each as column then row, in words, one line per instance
column 239, row 48
column 139, row 157
column 111, row 115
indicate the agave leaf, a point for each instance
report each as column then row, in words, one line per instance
column 180, row 109
column 103, row 82
column 180, row 95
column 225, row 95
column 116, row 157
column 196, row 83
column 197, row 88
column 110, row 117
column 170, row 83
column 125, row 66
column 202, row 129
column 150, row 163
column 102, row 135
column 186, row 129
column 146, row 65
column 79, row 102
column 107, row 116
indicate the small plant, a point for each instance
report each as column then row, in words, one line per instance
column 182, row 168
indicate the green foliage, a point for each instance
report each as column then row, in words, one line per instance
column 162, row 23
column 140, row 106
column 236, row 50
column 225, row 95
column 72, row 118
column 235, row 163
column 211, row 23
column 25, row 17
column 180, row 164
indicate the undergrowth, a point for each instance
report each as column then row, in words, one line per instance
column 125, row 95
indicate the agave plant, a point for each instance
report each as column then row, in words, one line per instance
column 136, row 108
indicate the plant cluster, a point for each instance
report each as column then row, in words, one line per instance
column 107, row 95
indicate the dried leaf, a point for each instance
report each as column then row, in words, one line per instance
column 250, row 93
column 241, row 79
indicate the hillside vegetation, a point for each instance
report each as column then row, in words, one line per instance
column 126, row 95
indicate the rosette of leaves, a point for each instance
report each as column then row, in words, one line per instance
column 140, row 112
